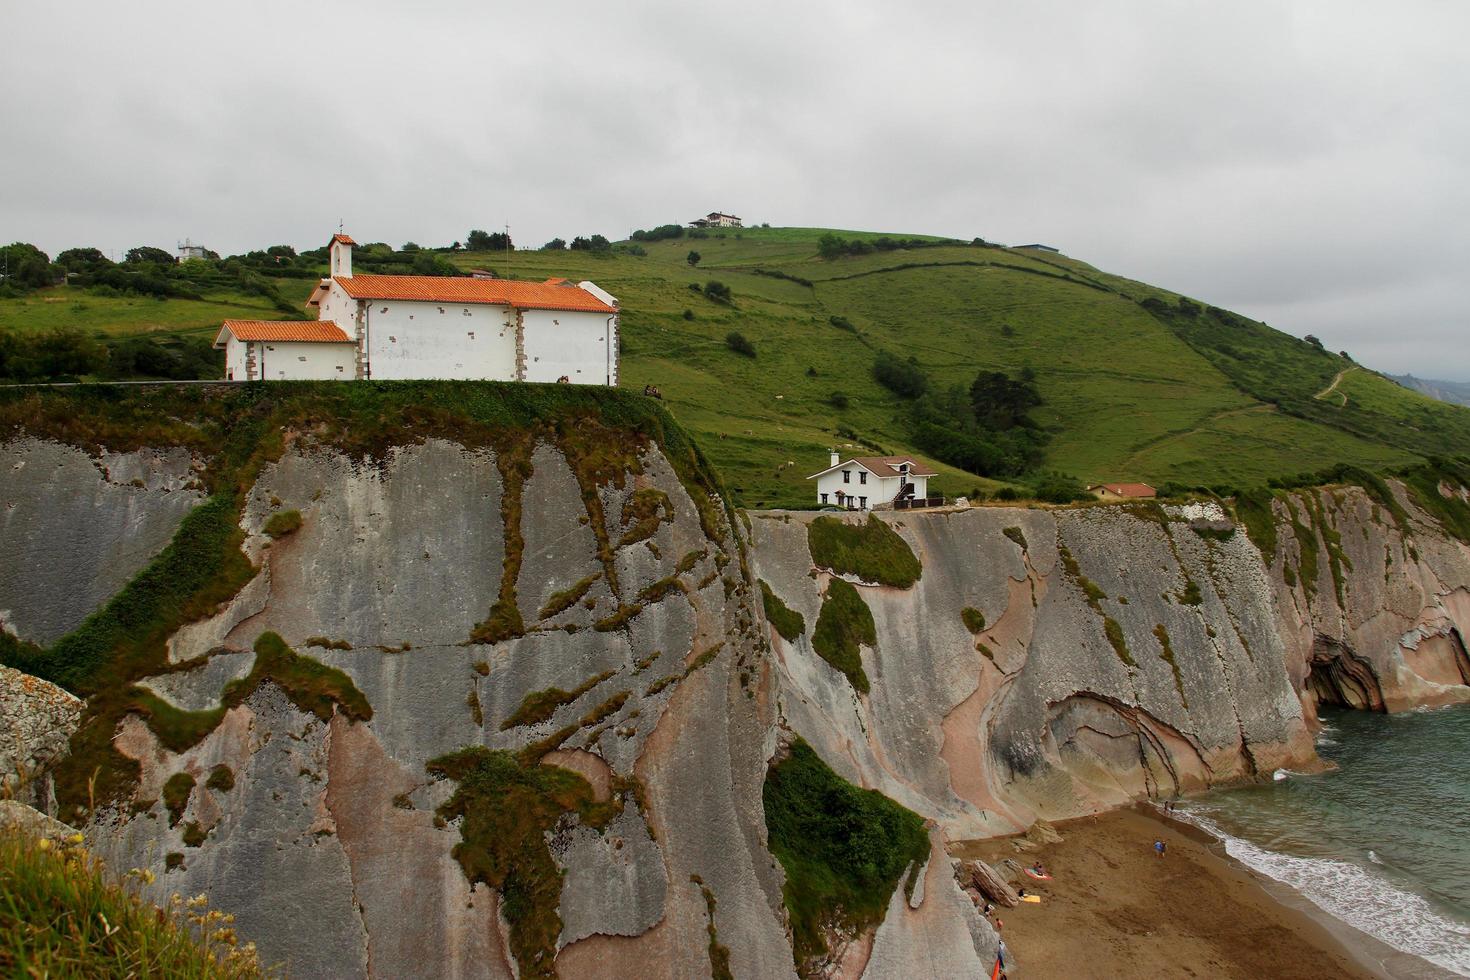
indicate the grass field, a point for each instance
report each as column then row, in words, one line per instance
column 108, row 316
column 1131, row 393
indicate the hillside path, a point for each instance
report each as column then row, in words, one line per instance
column 1333, row 387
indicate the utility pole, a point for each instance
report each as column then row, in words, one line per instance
column 507, row 240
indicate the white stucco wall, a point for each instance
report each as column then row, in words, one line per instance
column 281, row 361
column 575, row 345
column 234, row 360
column 878, row 490
column 340, row 308
column 440, row 341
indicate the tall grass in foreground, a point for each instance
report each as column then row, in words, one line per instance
column 62, row 917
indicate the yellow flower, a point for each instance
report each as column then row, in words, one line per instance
column 44, row 844
column 75, row 839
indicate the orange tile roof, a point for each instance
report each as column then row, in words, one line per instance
column 283, row 331
column 459, row 289
column 1127, row 489
column 344, row 239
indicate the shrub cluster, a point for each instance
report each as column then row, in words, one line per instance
column 844, row 849
column 831, row 246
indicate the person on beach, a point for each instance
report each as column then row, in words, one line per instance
column 1159, row 848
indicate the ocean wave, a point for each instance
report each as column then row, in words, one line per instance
column 1361, row 898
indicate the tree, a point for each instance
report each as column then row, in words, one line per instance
column 25, row 266
column 717, row 291
column 1001, row 403
column 659, row 233
column 737, row 343
column 596, row 243
column 903, row 378
column 147, row 253
column 555, row 245
column 481, row 241
column 1313, row 341
column 83, row 260
column 692, row 258
column 410, row 247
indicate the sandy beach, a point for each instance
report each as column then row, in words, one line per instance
column 1114, row 909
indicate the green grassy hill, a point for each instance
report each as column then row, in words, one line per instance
column 1137, row 384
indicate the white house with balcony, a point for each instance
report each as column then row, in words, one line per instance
column 868, row 482
column 716, row 219
column 432, row 327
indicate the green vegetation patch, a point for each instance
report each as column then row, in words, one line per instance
column 873, row 551
column 506, row 805
column 1095, row 595
column 176, row 792
column 1016, row 535
column 1423, row 484
column 844, row 850
column 844, row 623
column 560, row 602
column 63, row 915
column 1253, row 511
column 1118, row 641
column 283, row 523
column 973, row 619
column 719, row 953
column 644, row 510
column 1167, row 652
column 788, row 622
column 539, row 706
column 221, row 779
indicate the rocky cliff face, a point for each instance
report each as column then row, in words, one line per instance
column 418, row 690
column 1048, row 664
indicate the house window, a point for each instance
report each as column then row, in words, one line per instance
column 824, row 498
column 847, row 476
column 863, row 503
column 302, row 358
column 863, row 478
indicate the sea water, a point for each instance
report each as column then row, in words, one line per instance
column 1382, row 842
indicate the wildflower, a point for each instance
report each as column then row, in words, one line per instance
column 44, row 844
column 75, row 839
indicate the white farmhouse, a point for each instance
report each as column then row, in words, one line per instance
column 432, row 327
column 716, row 219
column 866, row 482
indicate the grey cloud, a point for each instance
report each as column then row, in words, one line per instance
column 1303, row 163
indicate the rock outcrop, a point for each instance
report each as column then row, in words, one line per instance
column 37, row 720
column 1051, row 663
column 480, row 700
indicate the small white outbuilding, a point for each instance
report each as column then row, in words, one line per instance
column 866, row 482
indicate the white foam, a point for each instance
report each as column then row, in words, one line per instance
column 1361, row 898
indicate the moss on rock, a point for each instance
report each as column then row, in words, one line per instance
column 788, row 622
column 844, row 850
column 872, row 551
column 844, row 623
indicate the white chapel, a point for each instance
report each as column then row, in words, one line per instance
column 432, row 327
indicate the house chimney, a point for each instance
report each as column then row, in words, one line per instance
column 341, row 252
column 835, row 458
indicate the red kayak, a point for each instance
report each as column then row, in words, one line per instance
column 1037, row 875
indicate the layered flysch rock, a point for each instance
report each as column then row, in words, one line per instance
column 323, row 836
column 519, row 601
column 1115, row 653
column 74, row 528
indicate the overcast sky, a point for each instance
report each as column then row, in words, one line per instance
column 1305, row 163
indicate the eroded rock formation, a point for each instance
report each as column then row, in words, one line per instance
column 567, row 622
